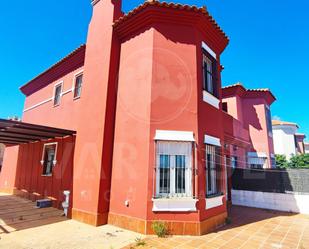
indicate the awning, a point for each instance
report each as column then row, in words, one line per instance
column 15, row 132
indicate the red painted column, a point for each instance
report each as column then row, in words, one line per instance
column 93, row 153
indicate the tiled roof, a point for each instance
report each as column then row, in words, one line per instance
column 250, row 90
column 202, row 10
column 279, row 122
column 233, row 85
column 83, row 46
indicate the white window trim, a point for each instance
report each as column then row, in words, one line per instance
column 209, row 50
column 39, row 104
column 212, row 140
column 81, row 72
column 210, row 99
column 257, row 154
column 61, row 93
column 174, row 205
column 188, row 176
column 213, row 202
column 43, row 154
column 177, row 136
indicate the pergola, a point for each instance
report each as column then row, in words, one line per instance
column 15, row 132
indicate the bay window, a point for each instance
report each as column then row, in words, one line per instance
column 173, row 169
column 268, row 121
column 213, row 170
column 209, row 75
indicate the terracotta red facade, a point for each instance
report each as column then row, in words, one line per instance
column 144, row 90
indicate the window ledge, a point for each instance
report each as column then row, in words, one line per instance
column 214, row 201
column 184, row 204
column 210, row 99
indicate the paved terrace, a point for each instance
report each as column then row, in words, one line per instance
column 23, row 227
column 250, row 228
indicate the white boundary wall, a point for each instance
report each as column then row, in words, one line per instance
column 296, row 203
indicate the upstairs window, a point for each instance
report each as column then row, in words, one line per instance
column 49, row 158
column 173, row 169
column 213, row 170
column 57, row 95
column 224, row 107
column 209, row 73
column 268, row 120
column 78, row 86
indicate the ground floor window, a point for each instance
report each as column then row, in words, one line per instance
column 49, row 158
column 213, row 170
column 234, row 162
column 173, row 169
column 257, row 162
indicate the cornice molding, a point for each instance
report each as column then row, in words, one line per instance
column 151, row 15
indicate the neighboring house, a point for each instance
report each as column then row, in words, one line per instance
column 2, row 147
column 306, row 148
column 248, row 113
column 133, row 124
column 286, row 139
column 300, row 143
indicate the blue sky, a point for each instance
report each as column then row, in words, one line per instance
column 268, row 46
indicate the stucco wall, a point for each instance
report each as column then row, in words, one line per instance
column 22, row 171
column 284, row 140
column 297, row 203
column 66, row 115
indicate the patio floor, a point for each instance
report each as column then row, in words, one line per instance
column 22, row 226
column 249, row 228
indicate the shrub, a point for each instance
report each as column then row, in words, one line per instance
column 160, row 228
column 299, row 161
column 281, row 161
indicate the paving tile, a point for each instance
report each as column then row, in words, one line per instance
column 250, row 228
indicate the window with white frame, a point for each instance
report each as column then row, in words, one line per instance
column 57, row 94
column 213, row 170
column 78, row 85
column 173, row 169
column 209, row 75
column 49, row 158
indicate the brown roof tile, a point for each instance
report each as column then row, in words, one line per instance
column 202, row 10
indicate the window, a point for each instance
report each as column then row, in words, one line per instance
column 234, row 162
column 49, row 158
column 224, row 106
column 78, row 86
column 209, row 73
column 173, row 169
column 268, row 120
column 213, row 170
column 257, row 162
column 57, row 96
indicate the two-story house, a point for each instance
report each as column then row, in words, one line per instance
column 248, row 128
column 286, row 139
column 130, row 123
